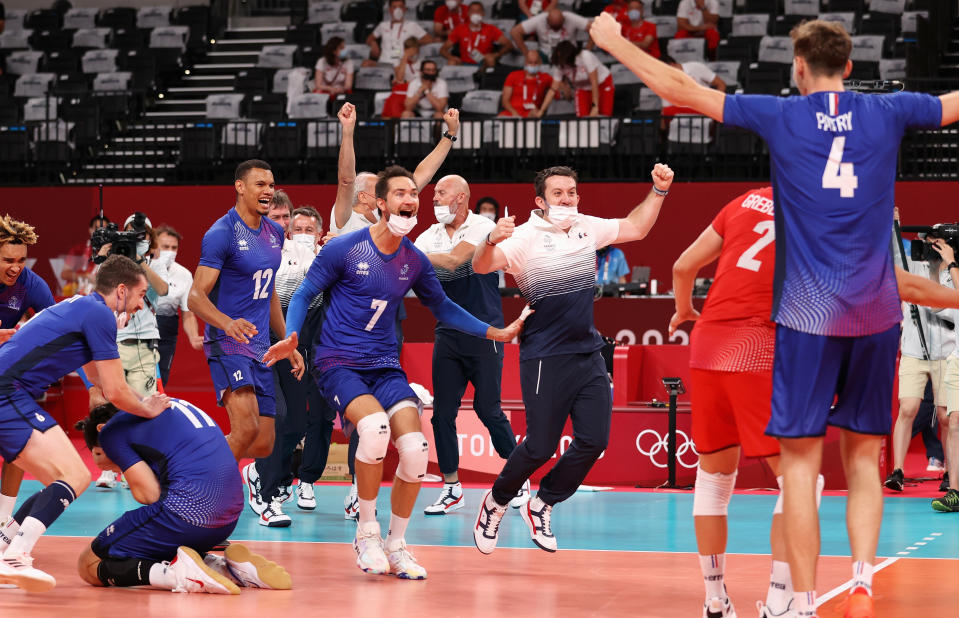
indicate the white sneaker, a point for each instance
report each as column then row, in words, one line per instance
column 719, row 608
column 252, row 479
column 107, row 480
column 522, row 496
column 351, row 504
column 486, row 529
column 273, row 515
column 305, row 497
column 765, row 612
column 284, row 493
column 252, row 570
column 404, row 565
column 451, row 499
column 19, row 571
column 537, row 515
column 194, row 575
column 935, row 465
column 368, row 545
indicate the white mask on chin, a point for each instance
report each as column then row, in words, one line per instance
column 121, row 316
column 562, row 216
column 489, row 215
column 443, row 214
column 400, row 226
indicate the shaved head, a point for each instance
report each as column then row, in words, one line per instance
column 455, row 184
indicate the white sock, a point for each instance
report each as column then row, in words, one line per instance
column 454, row 486
column 7, row 535
column 162, row 576
column 780, row 591
column 397, row 531
column 861, row 576
column 6, row 507
column 27, row 537
column 804, row 604
column 367, row 510
column 713, row 566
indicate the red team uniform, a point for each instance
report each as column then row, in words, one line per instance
column 731, row 349
column 475, row 44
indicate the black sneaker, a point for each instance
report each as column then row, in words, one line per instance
column 894, row 481
column 949, row 503
column 944, row 485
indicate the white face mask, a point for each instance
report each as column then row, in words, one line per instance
column 400, row 226
column 562, row 216
column 307, row 240
column 634, row 15
column 476, row 19
column 452, row 4
column 443, row 214
column 166, row 257
column 489, row 215
column 142, row 247
column 120, row 314
column 398, row 14
column 532, row 69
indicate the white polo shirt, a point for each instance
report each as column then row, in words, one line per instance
column 940, row 340
column 392, row 34
column 295, row 261
column 179, row 281
column 440, row 90
column 355, row 222
column 578, row 75
column 549, row 38
column 437, row 240
column 556, row 272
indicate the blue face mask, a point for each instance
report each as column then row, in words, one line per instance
column 532, row 69
column 634, row 15
column 344, row 54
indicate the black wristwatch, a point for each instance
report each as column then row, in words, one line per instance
column 952, row 265
column 449, row 136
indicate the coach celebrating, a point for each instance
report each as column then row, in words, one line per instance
column 562, row 373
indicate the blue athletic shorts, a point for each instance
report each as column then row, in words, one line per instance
column 341, row 385
column 154, row 532
column 810, row 372
column 233, row 371
column 19, row 416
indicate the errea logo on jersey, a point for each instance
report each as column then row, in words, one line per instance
column 363, row 268
column 243, row 245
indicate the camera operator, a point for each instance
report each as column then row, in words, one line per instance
column 950, row 501
column 922, row 359
column 179, row 281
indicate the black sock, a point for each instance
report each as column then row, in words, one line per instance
column 125, row 571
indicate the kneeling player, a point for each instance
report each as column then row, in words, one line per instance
column 181, row 467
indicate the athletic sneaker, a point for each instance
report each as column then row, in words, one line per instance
column 273, row 515
column 251, row 570
column 935, row 465
column 765, row 612
column 368, row 544
column 949, row 503
column 284, row 493
column 536, row 514
column 944, row 485
column 351, row 504
column 522, row 496
column 252, row 478
column 719, row 608
column 859, row 604
column 404, row 565
column 451, row 499
column 895, row 480
column 486, row 529
column 107, row 480
column 194, row 575
column 19, row 571
column 305, row 497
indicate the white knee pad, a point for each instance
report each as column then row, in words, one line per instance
column 416, row 404
column 712, row 493
column 374, row 432
column 414, row 457
column 820, row 483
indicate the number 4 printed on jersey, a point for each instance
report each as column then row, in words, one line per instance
column 839, row 175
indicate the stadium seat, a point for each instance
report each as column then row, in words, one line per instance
column 765, row 78
column 309, row 106
column 493, row 78
column 301, row 35
column 376, row 78
column 240, row 140
column 90, row 38
column 427, row 8
column 481, row 102
column 62, row 61
column 414, row 138
column 687, row 50
column 370, row 11
column 197, row 19
column 80, row 18
column 34, row 85
column 224, row 106
column 100, row 60
column 127, row 38
column 268, row 107
column 459, row 78
column 848, row 19
column 884, row 24
column 782, row 25
column 153, row 17
column 252, row 81
column 50, row 40
column 282, row 141
column 802, row 8
column 854, row 6
column 750, row 25
column 665, row 26
column 84, row 113
column 71, row 84
column 23, row 62
column 587, row 8
column 117, row 18
column 505, row 9
column 343, row 29
column 324, row 12
column 42, row 19
column 323, row 139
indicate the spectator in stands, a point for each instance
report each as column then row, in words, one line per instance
column 78, row 267
column 702, row 74
column 406, row 70
column 611, row 266
column 386, row 41
column 448, row 16
column 487, row 207
column 550, row 28
column 640, row 32
column 532, row 8
column 334, row 71
column 428, row 94
column 619, row 10
column 698, row 19
column 525, row 89
column 582, row 72
column 476, row 40
column 179, row 281
column 281, row 209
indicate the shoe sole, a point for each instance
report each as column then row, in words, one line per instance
column 269, row 573
column 893, row 486
column 29, row 584
column 453, row 507
column 276, row 524
column 943, row 508
column 409, row 577
column 220, row 579
column 306, row 507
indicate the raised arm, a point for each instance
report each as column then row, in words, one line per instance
column 923, row 291
column 637, row 223
column 346, row 167
column 488, row 257
column 428, row 167
column 669, row 83
column 950, row 108
column 703, row 251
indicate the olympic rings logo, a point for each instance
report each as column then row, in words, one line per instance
column 654, row 444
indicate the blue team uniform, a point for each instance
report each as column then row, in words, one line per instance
column 356, row 352
column 247, row 260
column 201, row 491
column 835, row 299
column 29, row 292
column 58, row 340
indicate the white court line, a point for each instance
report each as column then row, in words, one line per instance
column 840, row 589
